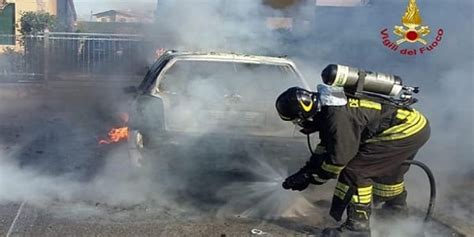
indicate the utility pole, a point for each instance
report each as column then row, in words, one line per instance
column 46, row 55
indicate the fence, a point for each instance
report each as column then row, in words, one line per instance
column 65, row 56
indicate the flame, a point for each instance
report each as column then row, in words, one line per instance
column 412, row 14
column 116, row 135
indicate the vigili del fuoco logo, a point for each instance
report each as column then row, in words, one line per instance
column 412, row 34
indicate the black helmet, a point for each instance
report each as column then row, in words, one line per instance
column 297, row 103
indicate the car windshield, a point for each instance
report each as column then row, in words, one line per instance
column 206, row 94
column 209, row 80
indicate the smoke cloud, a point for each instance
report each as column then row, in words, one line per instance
column 42, row 164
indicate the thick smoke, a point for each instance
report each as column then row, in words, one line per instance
column 50, row 150
column 215, row 25
column 444, row 76
column 337, row 35
column 351, row 36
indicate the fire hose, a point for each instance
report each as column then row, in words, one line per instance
column 428, row 172
column 424, row 167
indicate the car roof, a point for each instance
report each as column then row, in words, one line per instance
column 224, row 56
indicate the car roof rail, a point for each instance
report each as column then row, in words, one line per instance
column 174, row 51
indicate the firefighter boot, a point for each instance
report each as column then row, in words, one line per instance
column 356, row 225
column 396, row 207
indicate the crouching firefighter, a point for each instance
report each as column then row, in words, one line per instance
column 364, row 139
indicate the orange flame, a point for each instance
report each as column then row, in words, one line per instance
column 116, row 135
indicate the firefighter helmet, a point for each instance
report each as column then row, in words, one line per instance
column 297, row 103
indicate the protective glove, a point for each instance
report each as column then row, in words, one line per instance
column 301, row 180
column 297, row 182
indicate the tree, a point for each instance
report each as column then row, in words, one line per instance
column 32, row 23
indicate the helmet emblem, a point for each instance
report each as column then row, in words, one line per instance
column 306, row 108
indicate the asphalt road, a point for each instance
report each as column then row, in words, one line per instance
column 48, row 137
column 42, row 150
column 26, row 220
column 62, row 220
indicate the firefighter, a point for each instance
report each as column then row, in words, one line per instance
column 363, row 144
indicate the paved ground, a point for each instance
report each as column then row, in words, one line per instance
column 29, row 221
column 56, row 181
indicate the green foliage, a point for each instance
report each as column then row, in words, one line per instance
column 32, row 23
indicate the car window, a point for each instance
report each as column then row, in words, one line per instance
column 226, row 96
column 215, row 80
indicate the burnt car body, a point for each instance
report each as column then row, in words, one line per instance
column 214, row 106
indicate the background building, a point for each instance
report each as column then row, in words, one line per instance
column 7, row 23
column 10, row 14
column 115, row 16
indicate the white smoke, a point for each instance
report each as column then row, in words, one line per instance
column 347, row 36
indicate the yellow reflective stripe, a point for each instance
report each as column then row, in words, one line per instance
column 362, row 199
column 365, row 199
column 415, row 116
column 364, row 191
column 412, row 121
column 355, row 199
column 353, row 103
column 407, row 132
column 415, row 123
column 417, row 127
column 388, row 190
column 335, row 169
column 340, row 194
column 388, row 187
column 391, row 193
column 364, row 195
column 370, row 104
column 341, row 190
column 402, row 114
column 342, row 187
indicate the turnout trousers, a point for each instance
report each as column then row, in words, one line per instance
column 376, row 171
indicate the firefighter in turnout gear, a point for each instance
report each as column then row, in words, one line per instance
column 363, row 144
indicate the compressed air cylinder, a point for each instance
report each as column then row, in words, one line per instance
column 375, row 82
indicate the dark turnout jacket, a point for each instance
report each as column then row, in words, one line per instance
column 343, row 129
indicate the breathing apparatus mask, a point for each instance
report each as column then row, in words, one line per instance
column 297, row 105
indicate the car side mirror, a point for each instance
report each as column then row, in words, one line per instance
column 130, row 90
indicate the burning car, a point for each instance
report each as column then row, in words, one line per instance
column 219, row 103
